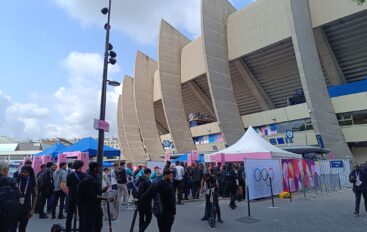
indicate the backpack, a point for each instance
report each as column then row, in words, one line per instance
column 157, row 208
column 9, row 198
column 136, row 186
column 121, row 176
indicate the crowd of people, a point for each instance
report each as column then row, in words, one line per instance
column 67, row 189
column 61, row 189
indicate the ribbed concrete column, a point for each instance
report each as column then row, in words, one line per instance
column 214, row 14
column 322, row 112
column 130, row 121
column 145, row 68
column 170, row 46
column 125, row 150
column 328, row 59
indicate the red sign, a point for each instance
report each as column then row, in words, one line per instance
column 195, row 155
column 101, row 125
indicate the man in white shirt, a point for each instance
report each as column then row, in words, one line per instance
column 180, row 172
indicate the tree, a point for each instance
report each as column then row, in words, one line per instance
column 360, row 2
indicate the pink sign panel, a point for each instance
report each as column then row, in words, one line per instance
column 195, row 155
column 36, row 164
column 101, row 125
column 239, row 157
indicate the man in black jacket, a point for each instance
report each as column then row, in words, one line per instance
column 359, row 179
column 230, row 178
column 144, row 205
column 89, row 200
column 46, row 187
column 72, row 181
column 167, row 192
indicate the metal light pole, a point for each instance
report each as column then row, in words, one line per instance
column 108, row 53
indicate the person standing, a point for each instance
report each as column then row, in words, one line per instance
column 9, row 197
column 359, row 180
column 196, row 178
column 210, row 186
column 180, row 172
column 72, row 181
column 26, row 183
column 231, row 185
column 144, row 204
column 121, row 178
column 167, row 193
column 46, row 186
column 60, row 190
column 89, row 200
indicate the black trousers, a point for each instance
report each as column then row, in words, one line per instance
column 59, row 195
column 359, row 195
column 21, row 220
column 4, row 223
column 91, row 220
column 178, row 188
column 71, row 209
column 232, row 193
column 165, row 223
column 43, row 198
column 196, row 189
column 145, row 216
column 208, row 205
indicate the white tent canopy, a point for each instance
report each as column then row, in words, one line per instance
column 252, row 142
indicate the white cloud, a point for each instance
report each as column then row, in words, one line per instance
column 21, row 120
column 78, row 103
column 138, row 18
column 72, row 107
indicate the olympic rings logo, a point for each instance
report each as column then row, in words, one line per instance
column 264, row 175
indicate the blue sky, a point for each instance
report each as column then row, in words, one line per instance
column 51, row 54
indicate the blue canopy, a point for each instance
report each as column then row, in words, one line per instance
column 90, row 145
column 183, row 158
column 53, row 151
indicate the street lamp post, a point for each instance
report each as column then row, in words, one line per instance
column 109, row 57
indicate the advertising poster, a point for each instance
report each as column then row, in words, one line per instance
column 258, row 175
column 297, row 171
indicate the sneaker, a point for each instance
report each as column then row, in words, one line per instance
column 356, row 213
column 220, row 220
column 53, row 217
column 204, row 219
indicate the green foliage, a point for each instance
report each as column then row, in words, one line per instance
column 360, row 2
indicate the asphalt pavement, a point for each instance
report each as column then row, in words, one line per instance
column 316, row 213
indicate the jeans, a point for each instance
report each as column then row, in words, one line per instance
column 232, row 193
column 196, row 189
column 59, row 195
column 122, row 192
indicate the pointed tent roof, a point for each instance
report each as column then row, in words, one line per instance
column 90, row 145
column 252, row 142
column 53, row 150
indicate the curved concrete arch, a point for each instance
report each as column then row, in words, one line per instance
column 126, row 153
column 214, row 14
column 130, row 121
column 170, row 46
column 145, row 68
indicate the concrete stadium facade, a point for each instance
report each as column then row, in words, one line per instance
column 244, row 70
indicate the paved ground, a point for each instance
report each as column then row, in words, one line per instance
column 332, row 212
